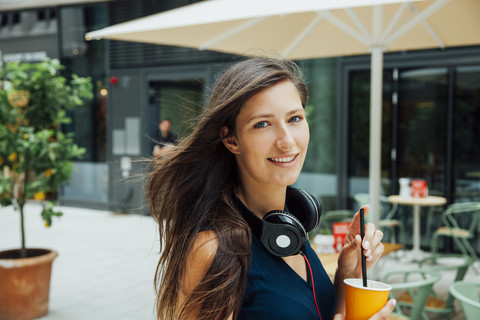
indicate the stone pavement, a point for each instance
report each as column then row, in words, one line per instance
column 106, row 262
column 105, row 265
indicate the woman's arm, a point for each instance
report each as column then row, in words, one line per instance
column 198, row 261
column 349, row 261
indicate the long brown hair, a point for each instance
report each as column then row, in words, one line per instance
column 191, row 190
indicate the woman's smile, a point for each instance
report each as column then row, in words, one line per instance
column 285, row 160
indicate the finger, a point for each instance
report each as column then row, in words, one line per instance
column 356, row 217
column 353, row 246
column 376, row 254
column 371, row 242
column 339, row 316
column 369, row 232
column 372, row 238
column 367, row 243
column 377, row 237
column 354, row 228
column 385, row 311
column 366, row 209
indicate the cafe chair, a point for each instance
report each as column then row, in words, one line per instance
column 330, row 217
column 417, row 284
column 447, row 263
column 460, row 222
column 432, row 215
column 387, row 220
column 468, row 295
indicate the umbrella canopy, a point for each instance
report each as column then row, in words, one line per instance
column 302, row 29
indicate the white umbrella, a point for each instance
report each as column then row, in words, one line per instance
column 301, row 29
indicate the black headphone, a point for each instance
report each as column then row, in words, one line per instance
column 284, row 232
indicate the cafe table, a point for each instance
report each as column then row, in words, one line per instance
column 416, row 253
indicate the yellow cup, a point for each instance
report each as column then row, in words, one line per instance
column 363, row 302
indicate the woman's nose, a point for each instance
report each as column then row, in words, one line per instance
column 284, row 138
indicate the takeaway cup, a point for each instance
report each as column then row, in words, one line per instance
column 363, row 302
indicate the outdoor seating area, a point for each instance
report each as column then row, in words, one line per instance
column 417, row 284
column 457, row 264
column 424, row 274
column 460, row 222
column 468, row 295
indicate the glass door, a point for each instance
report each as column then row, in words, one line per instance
column 422, row 127
column 179, row 101
column 466, row 134
column 359, row 131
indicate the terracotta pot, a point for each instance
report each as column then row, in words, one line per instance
column 25, row 283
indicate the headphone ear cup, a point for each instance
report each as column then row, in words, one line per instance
column 305, row 207
column 285, row 236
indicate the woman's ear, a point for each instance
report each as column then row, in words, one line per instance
column 229, row 141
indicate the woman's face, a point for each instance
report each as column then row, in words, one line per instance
column 272, row 136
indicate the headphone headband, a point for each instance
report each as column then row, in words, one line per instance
column 284, row 232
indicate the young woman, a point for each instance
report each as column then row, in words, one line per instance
column 247, row 147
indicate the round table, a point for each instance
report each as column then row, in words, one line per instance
column 417, row 203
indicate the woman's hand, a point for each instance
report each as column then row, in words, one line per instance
column 349, row 261
column 383, row 314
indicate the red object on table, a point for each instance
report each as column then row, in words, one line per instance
column 419, row 189
column 340, row 230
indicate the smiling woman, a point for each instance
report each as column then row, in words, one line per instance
column 233, row 232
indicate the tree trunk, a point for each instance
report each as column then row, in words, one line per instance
column 23, row 249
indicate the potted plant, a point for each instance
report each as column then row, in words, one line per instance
column 35, row 158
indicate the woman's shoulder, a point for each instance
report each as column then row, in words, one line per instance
column 198, row 261
column 205, row 245
column 201, row 256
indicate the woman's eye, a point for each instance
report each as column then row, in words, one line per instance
column 295, row 119
column 261, row 124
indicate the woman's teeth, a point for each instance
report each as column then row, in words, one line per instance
column 287, row 159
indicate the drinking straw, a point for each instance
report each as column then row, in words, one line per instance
column 364, row 262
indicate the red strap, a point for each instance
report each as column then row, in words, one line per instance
column 313, row 285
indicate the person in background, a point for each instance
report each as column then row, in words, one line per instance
column 248, row 147
column 165, row 140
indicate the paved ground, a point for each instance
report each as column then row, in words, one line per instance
column 105, row 266
column 107, row 261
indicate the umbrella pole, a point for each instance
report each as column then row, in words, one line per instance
column 376, row 79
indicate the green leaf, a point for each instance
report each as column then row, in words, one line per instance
column 48, row 212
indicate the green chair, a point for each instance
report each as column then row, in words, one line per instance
column 416, row 284
column 447, row 263
column 460, row 222
column 330, row 215
column 432, row 215
column 387, row 220
column 468, row 295
column 328, row 218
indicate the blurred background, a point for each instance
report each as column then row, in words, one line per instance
column 430, row 107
